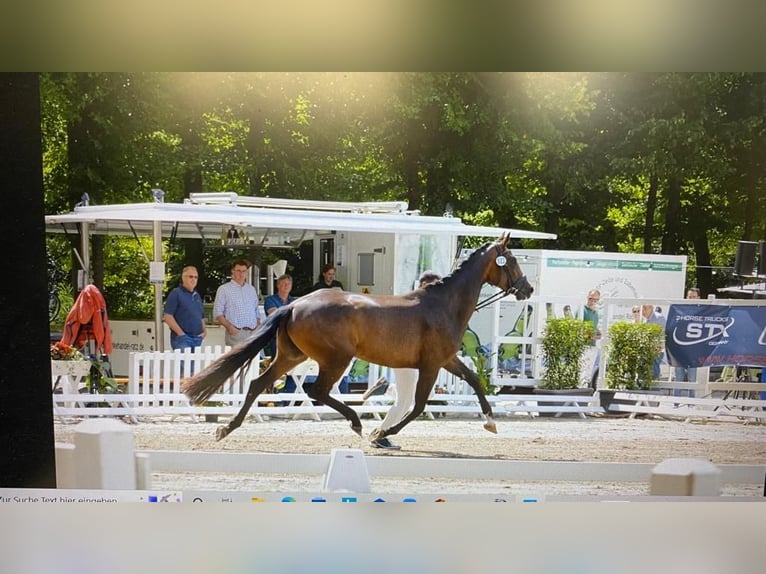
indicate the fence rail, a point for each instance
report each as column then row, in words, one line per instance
column 154, row 389
column 154, row 383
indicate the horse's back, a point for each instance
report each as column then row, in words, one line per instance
column 392, row 330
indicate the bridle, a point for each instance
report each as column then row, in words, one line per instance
column 513, row 288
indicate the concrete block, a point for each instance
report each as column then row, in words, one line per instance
column 347, row 471
column 65, row 466
column 143, row 471
column 104, row 455
column 685, row 477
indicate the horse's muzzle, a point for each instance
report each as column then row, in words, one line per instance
column 522, row 288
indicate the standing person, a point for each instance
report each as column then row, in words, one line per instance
column 405, row 380
column 236, row 305
column 282, row 297
column 327, row 279
column 592, row 355
column 652, row 315
column 184, row 314
column 273, row 302
column 687, row 374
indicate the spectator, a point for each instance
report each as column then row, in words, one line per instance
column 236, row 305
column 687, row 374
column 184, row 314
column 592, row 356
column 273, row 302
column 327, row 279
column 651, row 315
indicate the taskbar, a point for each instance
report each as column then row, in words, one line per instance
column 68, row 496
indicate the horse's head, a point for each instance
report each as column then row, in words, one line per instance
column 506, row 272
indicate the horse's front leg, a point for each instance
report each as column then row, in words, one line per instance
column 426, row 380
column 320, row 391
column 459, row 369
column 257, row 386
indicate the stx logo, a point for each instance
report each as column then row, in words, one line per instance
column 698, row 333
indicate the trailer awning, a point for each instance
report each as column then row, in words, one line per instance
column 265, row 225
column 749, row 291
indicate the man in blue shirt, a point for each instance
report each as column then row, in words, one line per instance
column 184, row 313
column 270, row 304
column 279, row 299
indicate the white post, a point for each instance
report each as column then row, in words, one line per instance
column 685, row 477
column 143, row 471
column 104, row 455
column 347, row 471
column 159, row 343
column 65, row 466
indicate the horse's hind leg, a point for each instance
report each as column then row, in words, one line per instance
column 459, row 369
column 275, row 370
column 320, row 391
column 426, row 382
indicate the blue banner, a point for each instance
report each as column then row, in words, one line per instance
column 710, row 335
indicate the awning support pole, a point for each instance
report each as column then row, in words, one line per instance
column 158, row 333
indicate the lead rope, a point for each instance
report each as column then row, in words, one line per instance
column 492, row 298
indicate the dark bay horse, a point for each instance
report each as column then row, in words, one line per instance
column 421, row 329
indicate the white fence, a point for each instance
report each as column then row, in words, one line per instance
column 153, row 385
column 154, row 389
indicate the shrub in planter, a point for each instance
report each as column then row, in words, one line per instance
column 631, row 351
column 563, row 344
column 481, row 362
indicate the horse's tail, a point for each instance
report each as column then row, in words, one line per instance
column 204, row 384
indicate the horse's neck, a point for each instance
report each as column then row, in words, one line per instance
column 462, row 291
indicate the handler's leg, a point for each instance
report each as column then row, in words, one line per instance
column 426, row 380
column 405, row 380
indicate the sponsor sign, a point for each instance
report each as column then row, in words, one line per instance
column 710, row 335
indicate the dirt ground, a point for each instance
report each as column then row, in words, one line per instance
column 597, row 439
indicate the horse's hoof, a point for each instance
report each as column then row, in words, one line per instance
column 490, row 426
column 376, row 434
column 357, row 430
column 221, row 433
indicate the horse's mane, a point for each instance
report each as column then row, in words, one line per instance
column 465, row 264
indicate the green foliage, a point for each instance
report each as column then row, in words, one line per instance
column 563, row 344
column 571, row 153
column 632, row 349
column 127, row 290
column 483, row 370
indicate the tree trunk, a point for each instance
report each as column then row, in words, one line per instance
column 651, row 205
column 671, row 235
column 702, row 252
column 412, row 181
column 97, row 261
column 253, row 145
column 555, row 195
column 81, row 159
column 193, row 247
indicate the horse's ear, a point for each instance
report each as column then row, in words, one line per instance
column 504, row 238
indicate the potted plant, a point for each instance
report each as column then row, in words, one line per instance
column 631, row 351
column 481, row 361
column 563, row 344
column 69, row 368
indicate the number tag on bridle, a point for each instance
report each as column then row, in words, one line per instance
column 500, row 261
